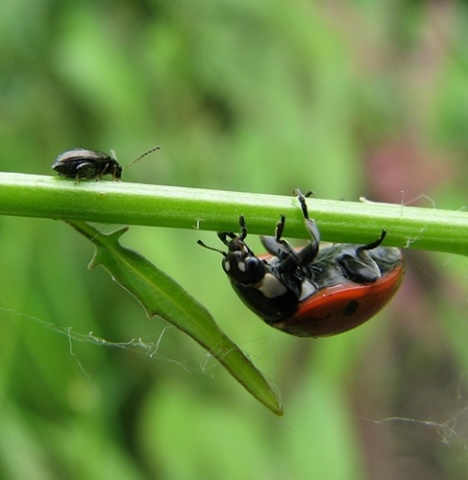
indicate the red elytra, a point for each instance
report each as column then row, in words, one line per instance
column 342, row 307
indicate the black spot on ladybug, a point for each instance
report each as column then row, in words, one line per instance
column 351, row 308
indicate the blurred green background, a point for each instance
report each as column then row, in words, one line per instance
column 349, row 99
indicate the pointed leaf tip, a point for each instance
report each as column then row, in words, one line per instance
column 160, row 295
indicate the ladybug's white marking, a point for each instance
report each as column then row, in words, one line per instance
column 307, row 289
column 271, row 287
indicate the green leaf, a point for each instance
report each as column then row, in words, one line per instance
column 161, row 295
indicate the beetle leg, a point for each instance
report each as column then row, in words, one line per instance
column 311, row 226
column 273, row 244
column 223, row 237
column 361, row 267
column 85, row 170
column 243, row 227
column 282, row 245
column 309, row 252
column 270, row 245
column 279, row 228
column 103, row 172
column 307, row 255
column 301, row 197
column 361, row 253
column 282, row 249
column 288, row 256
column 115, row 169
column 374, row 244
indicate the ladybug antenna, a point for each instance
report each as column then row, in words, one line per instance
column 151, row 150
column 204, row 245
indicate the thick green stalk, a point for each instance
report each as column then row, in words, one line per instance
column 156, row 205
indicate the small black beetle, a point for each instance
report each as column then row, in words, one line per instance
column 82, row 163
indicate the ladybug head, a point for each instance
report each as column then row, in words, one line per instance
column 242, row 266
column 239, row 262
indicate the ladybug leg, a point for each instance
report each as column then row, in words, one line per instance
column 361, row 267
column 290, row 258
column 270, row 245
column 281, row 248
column 243, row 227
column 223, row 236
column 374, row 244
column 301, row 197
column 362, row 254
column 309, row 252
column 276, row 245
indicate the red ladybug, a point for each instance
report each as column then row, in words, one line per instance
column 309, row 292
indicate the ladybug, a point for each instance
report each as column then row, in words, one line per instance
column 82, row 163
column 309, row 292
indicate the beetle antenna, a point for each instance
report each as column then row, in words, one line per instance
column 151, row 150
column 204, row 245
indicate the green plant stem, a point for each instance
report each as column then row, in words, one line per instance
column 165, row 206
